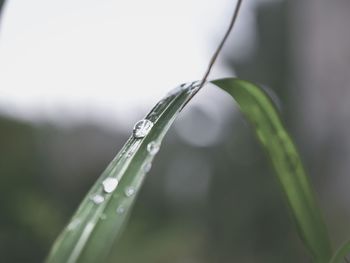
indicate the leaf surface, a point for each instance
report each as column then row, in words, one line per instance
column 263, row 116
column 101, row 216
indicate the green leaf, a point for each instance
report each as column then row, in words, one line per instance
column 341, row 253
column 271, row 133
column 101, row 215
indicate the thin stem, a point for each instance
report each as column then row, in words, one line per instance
column 218, row 49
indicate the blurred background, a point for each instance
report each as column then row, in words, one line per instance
column 75, row 76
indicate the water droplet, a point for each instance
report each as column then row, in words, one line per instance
column 103, row 217
column 142, row 128
column 131, row 150
column 97, row 199
column 109, row 184
column 72, row 225
column 129, row 191
column 120, row 210
column 153, row 148
column 147, row 167
column 175, row 91
column 129, row 154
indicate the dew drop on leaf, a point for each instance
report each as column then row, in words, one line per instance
column 142, row 128
column 73, row 224
column 97, row 199
column 120, row 210
column 147, row 167
column 153, row 148
column 129, row 191
column 109, row 184
column 132, row 150
column 175, row 91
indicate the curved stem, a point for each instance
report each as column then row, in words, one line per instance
column 219, row 48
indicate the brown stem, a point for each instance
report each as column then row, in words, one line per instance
column 218, row 49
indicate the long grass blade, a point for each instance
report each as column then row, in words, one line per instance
column 100, row 218
column 341, row 253
column 102, row 214
column 271, row 133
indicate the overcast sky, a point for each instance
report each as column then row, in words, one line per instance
column 108, row 59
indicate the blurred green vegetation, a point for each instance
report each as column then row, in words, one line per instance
column 2, row 2
column 237, row 215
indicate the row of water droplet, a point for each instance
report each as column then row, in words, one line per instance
column 110, row 184
column 140, row 130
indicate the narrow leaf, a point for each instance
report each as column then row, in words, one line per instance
column 341, row 253
column 100, row 218
column 102, row 214
column 271, row 133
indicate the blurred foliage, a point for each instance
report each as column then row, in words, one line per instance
column 241, row 217
column 269, row 64
column 2, row 2
column 43, row 176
